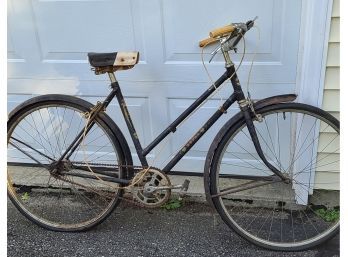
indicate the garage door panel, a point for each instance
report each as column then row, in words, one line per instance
column 49, row 41
column 20, row 30
column 64, row 36
column 272, row 61
column 11, row 52
column 261, row 73
column 194, row 21
column 64, row 41
column 16, row 99
column 59, row 34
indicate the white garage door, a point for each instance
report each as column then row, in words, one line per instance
column 48, row 41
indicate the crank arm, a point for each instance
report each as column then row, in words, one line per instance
column 166, row 187
column 184, row 186
column 154, row 188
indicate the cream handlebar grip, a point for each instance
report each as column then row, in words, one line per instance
column 207, row 41
column 222, row 31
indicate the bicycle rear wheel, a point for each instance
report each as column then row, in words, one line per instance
column 67, row 197
column 303, row 143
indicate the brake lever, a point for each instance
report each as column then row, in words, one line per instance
column 242, row 27
column 217, row 49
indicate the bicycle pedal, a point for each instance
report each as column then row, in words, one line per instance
column 184, row 188
column 185, row 185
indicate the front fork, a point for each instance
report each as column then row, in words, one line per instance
column 246, row 107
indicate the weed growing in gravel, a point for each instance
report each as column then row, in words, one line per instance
column 329, row 215
column 173, row 204
column 25, row 196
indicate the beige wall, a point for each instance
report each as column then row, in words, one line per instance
column 331, row 98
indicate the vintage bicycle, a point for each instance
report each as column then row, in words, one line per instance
column 266, row 171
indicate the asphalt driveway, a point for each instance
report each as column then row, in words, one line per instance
column 192, row 230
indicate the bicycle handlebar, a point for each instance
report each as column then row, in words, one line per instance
column 233, row 30
column 220, row 32
column 207, row 41
column 243, row 28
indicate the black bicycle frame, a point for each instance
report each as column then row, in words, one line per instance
column 237, row 95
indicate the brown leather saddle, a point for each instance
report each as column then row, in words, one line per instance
column 110, row 62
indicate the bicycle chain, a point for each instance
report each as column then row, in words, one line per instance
column 130, row 200
column 135, row 167
column 75, row 183
column 111, row 165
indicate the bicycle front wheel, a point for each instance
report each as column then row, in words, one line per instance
column 302, row 142
column 63, row 196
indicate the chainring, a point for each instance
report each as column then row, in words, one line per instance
column 144, row 188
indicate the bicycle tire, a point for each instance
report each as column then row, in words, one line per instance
column 248, row 210
column 68, row 203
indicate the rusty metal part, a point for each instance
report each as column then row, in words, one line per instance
column 89, row 189
column 145, row 190
column 108, row 69
column 246, row 186
column 95, row 110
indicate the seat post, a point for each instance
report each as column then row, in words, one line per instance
column 112, row 77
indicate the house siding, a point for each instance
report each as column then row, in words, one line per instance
column 331, row 102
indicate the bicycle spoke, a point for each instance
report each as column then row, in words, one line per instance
column 37, row 151
column 269, row 135
column 15, row 133
column 55, row 135
column 47, row 137
column 281, row 214
column 45, row 190
column 300, row 154
column 243, row 160
column 260, row 135
column 278, row 140
column 38, row 134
